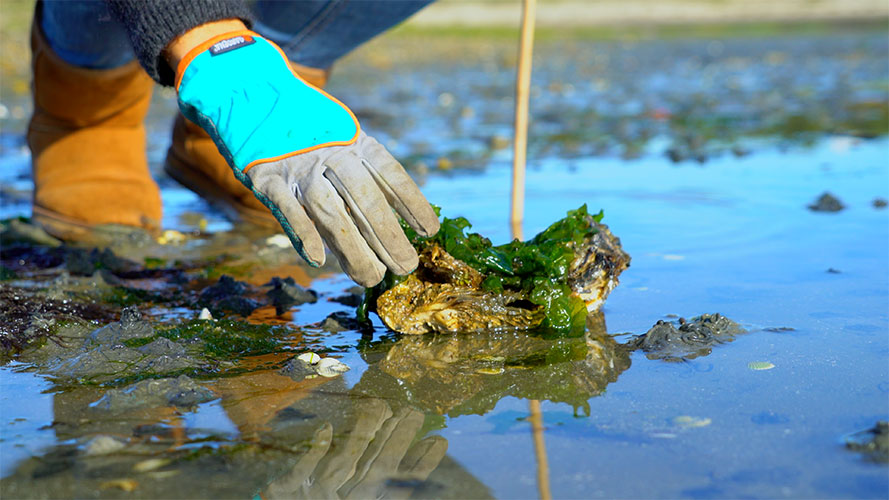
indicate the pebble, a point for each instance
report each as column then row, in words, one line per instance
column 150, row 464
column 205, row 314
column 690, row 422
column 103, row 445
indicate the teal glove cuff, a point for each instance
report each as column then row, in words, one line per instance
column 239, row 87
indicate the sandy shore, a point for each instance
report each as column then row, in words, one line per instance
column 609, row 12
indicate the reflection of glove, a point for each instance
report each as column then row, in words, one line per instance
column 304, row 155
column 379, row 447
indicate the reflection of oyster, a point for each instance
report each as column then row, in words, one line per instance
column 446, row 294
column 469, row 374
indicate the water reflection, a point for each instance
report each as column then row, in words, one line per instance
column 317, row 438
column 468, row 374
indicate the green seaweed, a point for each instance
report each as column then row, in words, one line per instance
column 537, row 268
column 228, row 339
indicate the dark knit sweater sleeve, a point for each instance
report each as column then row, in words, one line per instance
column 152, row 24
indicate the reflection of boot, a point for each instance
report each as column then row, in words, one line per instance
column 87, row 141
column 194, row 162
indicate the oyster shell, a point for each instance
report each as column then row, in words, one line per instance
column 446, row 295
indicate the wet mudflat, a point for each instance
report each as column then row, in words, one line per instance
column 705, row 164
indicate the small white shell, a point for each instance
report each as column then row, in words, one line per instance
column 205, row 314
column 329, row 367
column 309, row 357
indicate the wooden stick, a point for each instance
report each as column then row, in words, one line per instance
column 520, row 150
column 520, row 146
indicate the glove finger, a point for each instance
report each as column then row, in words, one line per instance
column 401, row 191
column 291, row 484
column 301, row 230
column 336, row 226
column 371, row 212
column 338, row 467
column 383, row 456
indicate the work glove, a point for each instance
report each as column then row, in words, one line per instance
column 305, row 157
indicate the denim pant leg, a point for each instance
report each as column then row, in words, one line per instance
column 83, row 33
column 316, row 33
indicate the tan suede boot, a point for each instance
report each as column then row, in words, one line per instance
column 194, row 162
column 87, row 142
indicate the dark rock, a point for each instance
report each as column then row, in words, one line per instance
column 29, row 257
column 104, row 277
column 880, row 203
column 162, row 347
column 130, row 326
column 181, row 391
column 338, row 322
column 675, row 155
column 349, row 300
column 285, row 293
column 225, row 287
column 104, row 361
column 239, row 305
column 691, row 339
column 873, row 443
column 827, row 203
column 85, row 262
column 297, row 369
column 227, row 295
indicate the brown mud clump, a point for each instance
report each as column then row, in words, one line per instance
column 689, row 340
column 464, row 284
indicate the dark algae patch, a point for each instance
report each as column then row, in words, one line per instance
column 873, row 443
column 465, row 283
column 827, row 203
column 688, row 340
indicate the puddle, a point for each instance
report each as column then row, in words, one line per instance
column 440, row 416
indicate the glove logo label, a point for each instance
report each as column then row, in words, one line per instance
column 230, row 44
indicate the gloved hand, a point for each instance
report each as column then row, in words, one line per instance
column 303, row 154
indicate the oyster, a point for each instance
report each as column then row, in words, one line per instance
column 464, row 284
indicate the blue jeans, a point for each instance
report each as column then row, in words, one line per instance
column 313, row 33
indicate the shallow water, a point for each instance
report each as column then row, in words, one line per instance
column 733, row 236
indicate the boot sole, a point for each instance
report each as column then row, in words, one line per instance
column 195, row 181
column 72, row 230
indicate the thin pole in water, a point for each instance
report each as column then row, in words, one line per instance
column 520, row 144
column 520, row 149
column 540, row 450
